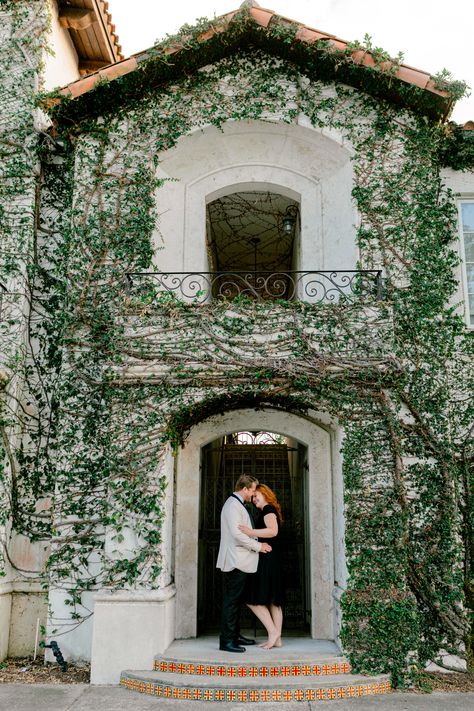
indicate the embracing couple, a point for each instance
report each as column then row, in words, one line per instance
column 251, row 567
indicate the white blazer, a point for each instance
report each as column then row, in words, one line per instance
column 236, row 550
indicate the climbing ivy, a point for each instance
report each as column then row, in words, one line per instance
column 111, row 379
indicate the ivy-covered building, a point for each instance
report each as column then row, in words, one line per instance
column 248, row 248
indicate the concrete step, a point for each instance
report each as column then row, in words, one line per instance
column 298, row 657
column 256, row 669
column 303, row 669
column 253, row 689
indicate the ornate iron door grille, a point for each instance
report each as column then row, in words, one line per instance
column 220, row 469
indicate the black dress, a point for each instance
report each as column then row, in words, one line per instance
column 265, row 587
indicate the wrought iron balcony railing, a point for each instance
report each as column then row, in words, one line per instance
column 312, row 287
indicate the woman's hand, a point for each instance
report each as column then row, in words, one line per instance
column 247, row 530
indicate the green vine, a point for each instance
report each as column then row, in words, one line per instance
column 97, row 417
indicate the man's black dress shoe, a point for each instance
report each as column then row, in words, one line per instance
column 231, row 647
column 244, row 640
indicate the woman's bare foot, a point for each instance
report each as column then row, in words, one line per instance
column 272, row 642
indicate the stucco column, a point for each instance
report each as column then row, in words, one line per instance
column 130, row 628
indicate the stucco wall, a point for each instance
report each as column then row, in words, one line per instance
column 26, row 609
column 5, row 610
column 61, row 66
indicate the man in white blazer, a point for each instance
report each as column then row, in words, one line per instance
column 238, row 556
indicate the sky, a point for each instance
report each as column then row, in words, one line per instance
column 432, row 35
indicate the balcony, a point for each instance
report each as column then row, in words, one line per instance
column 314, row 287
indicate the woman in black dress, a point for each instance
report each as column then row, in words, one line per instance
column 264, row 590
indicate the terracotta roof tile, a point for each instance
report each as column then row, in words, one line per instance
column 81, row 86
column 306, row 34
column 264, row 18
column 119, row 68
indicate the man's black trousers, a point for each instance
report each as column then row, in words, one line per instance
column 233, row 588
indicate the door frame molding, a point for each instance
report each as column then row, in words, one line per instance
column 322, row 437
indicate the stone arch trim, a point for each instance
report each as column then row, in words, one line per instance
column 322, row 438
column 300, row 162
column 305, row 190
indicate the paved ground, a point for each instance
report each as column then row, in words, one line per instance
column 81, row 697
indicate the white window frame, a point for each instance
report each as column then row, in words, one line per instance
column 467, row 307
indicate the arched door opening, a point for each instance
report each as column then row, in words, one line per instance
column 312, row 443
column 281, row 463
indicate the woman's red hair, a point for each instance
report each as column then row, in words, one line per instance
column 270, row 498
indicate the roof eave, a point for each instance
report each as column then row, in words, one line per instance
column 315, row 51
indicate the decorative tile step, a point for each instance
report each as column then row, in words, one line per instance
column 201, row 688
column 253, row 669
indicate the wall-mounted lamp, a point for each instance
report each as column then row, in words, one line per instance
column 289, row 218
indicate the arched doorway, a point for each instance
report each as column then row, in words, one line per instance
column 325, row 572
column 281, row 463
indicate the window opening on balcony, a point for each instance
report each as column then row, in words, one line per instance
column 252, row 242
